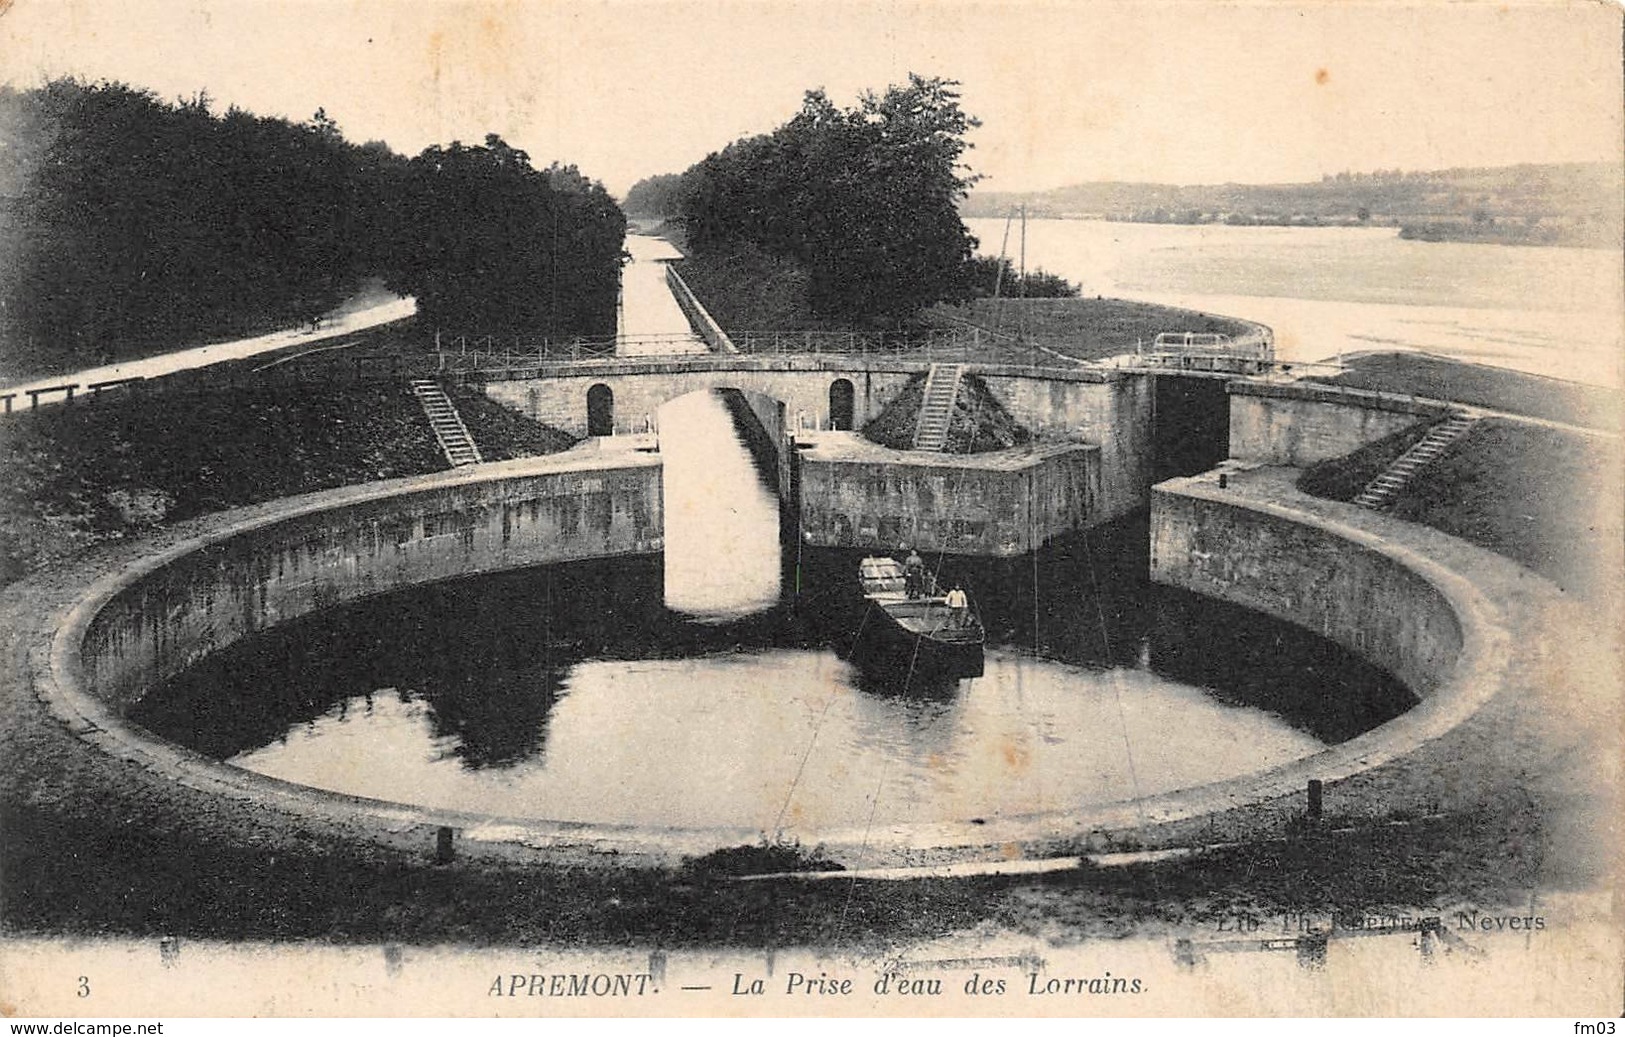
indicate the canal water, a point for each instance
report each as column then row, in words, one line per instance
column 702, row 689
column 723, row 558
column 648, row 321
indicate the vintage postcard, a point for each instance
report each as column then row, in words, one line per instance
column 725, row 509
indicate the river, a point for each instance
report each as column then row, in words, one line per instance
column 1328, row 291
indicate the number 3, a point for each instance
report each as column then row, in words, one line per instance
column 84, row 986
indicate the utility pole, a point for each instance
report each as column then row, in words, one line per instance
column 1021, row 286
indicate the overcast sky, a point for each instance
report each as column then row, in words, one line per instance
column 1179, row 92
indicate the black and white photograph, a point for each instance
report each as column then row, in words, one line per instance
column 848, row 510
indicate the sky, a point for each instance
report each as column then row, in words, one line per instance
column 1179, row 91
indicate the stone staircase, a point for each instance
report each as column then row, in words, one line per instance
column 448, row 426
column 937, row 406
column 1381, row 491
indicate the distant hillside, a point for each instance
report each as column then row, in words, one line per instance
column 1573, row 203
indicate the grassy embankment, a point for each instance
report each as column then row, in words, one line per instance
column 1088, row 329
column 979, row 422
column 1479, row 385
column 1546, row 498
column 79, row 475
column 156, row 876
column 750, row 291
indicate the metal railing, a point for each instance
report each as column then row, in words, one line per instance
column 488, row 353
column 1256, row 345
column 227, row 376
column 955, row 345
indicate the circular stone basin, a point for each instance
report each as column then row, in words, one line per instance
column 569, row 694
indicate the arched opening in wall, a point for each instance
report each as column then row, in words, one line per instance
column 600, row 410
column 840, row 405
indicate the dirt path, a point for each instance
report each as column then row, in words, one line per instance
column 339, row 323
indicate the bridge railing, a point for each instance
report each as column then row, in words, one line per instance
column 1255, row 345
column 939, row 344
column 956, row 345
column 464, row 356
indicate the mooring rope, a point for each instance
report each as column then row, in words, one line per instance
column 1114, row 677
column 817, row 726
column 874, row 800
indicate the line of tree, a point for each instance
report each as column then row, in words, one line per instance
column 131, row 225
column 491, row 244
column 989, row 276
column 864, row 199
column 1583, row 200
column 658, row 195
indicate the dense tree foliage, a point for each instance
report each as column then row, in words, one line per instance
column 659, row 195
column 988, row 276
column 864, row 199
column 492, row 245
column 132, row 225
column 138, row 220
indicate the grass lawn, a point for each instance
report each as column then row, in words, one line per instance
column 979, row 422
column 1542, row 497
column 1480, row 385
column 78, row 475
column 1085, row 328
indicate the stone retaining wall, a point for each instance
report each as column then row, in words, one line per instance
column 172, row 609
column 1303, row 423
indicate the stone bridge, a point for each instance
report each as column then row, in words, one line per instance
column 1106, row 407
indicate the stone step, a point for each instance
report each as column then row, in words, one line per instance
column 937, row 406
column 447, row 425
column 1409, row 465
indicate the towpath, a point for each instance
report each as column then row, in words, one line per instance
column 341, row 323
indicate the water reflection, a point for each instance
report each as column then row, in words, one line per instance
column 723, row 559
column 782, row 739
column 570, row 693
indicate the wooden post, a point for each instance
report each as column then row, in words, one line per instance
column 443, row 852
column 1312, row 950
column 1314, row 799
column 1185, row 952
